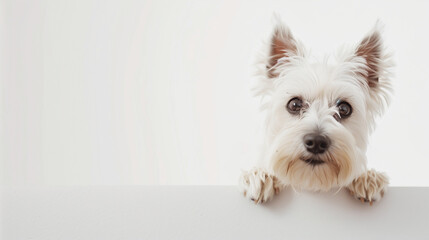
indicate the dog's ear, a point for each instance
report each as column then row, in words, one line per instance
column 282, row 46
column 370, row 49
column 373, row 64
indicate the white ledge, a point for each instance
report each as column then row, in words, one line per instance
column 207, row 212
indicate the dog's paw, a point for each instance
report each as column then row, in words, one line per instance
column 369, row 187
column 258, row 185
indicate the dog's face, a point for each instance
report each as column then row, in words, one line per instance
column 320, row 114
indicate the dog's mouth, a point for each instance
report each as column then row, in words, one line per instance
column 313, row 161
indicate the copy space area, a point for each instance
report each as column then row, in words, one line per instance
column 207, row 212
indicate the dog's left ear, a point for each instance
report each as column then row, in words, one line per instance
column 370, row 49
column 373, row 63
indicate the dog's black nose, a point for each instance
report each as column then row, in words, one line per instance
column 316, row 143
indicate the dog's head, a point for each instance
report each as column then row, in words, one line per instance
column 320, row 114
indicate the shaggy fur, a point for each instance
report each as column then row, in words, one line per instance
column 359, row 76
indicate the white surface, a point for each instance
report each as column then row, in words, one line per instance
column 199, row 212
column 157, row 92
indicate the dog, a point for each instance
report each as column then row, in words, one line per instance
column 319, row 116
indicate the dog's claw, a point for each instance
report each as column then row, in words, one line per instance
column 256, row 201
column 364, row 200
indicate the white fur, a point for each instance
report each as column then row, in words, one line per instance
column 320, row 85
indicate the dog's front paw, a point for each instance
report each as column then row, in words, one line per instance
column 258, row 185
column 369, row 187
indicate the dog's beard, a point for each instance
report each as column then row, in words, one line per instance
column 302, row 173
column 294, row 166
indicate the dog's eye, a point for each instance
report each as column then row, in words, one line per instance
column 294, row 106
column 344, row 109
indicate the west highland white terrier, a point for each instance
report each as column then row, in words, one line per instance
column 319, row 116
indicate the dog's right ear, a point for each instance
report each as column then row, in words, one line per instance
column 282, row 46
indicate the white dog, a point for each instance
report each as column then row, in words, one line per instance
column 319, row 118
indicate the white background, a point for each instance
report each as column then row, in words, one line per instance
column 157, row 92
column 206, row 212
